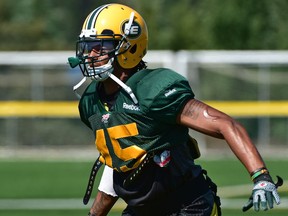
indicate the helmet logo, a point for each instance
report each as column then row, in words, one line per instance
column 134, row 31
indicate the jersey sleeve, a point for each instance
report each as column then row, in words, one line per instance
column 165, row 94
column 106, row 182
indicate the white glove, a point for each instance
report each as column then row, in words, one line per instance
column 264, row 194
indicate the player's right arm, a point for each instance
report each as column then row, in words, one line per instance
column 102, row 204
column 106, row 196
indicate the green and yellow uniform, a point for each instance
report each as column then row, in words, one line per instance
column 128, row 132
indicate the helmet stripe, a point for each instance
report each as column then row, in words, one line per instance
column 93, row 16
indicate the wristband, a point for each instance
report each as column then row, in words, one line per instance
column 258, row 172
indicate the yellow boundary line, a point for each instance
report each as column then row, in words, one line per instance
column 38, row 109
column 69, row 109
column 252, row 108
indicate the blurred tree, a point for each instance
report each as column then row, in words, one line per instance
column 41, row 25
column 186, row 24
column 250, row 24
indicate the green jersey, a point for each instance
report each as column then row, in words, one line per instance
column 128, row 132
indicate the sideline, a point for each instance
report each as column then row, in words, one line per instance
column 88, row 153
column 56, row 204
column 69, row 109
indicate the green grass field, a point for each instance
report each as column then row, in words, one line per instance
column 34, row 187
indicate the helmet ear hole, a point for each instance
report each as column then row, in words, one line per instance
column 133, row 49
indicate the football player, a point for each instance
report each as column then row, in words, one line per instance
column 140, row 118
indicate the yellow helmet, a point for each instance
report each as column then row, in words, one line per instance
column 117, row 23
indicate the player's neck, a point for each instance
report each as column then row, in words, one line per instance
column 110, row 86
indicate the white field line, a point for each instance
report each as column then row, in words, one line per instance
column 56, row 204
column 41, row 204
column 227, row 194
column 243, row 190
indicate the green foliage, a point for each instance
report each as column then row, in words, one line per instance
column 41, row 25
column 185, row 24
column 247, row 24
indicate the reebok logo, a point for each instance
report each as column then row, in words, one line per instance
column 169, row 92
column 130, row 107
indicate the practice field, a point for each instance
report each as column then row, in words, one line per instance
column 46, row 188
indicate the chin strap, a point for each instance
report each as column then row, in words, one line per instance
column 117, row 80
column 125, row 43
column 75, row 87
column 125, row 87
column 129, row 24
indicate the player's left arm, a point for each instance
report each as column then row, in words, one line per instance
column 106, row 196
column 208, row 120
column 205, row 119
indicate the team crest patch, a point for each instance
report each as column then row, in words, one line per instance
column 105, row 118
column 134, row 31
